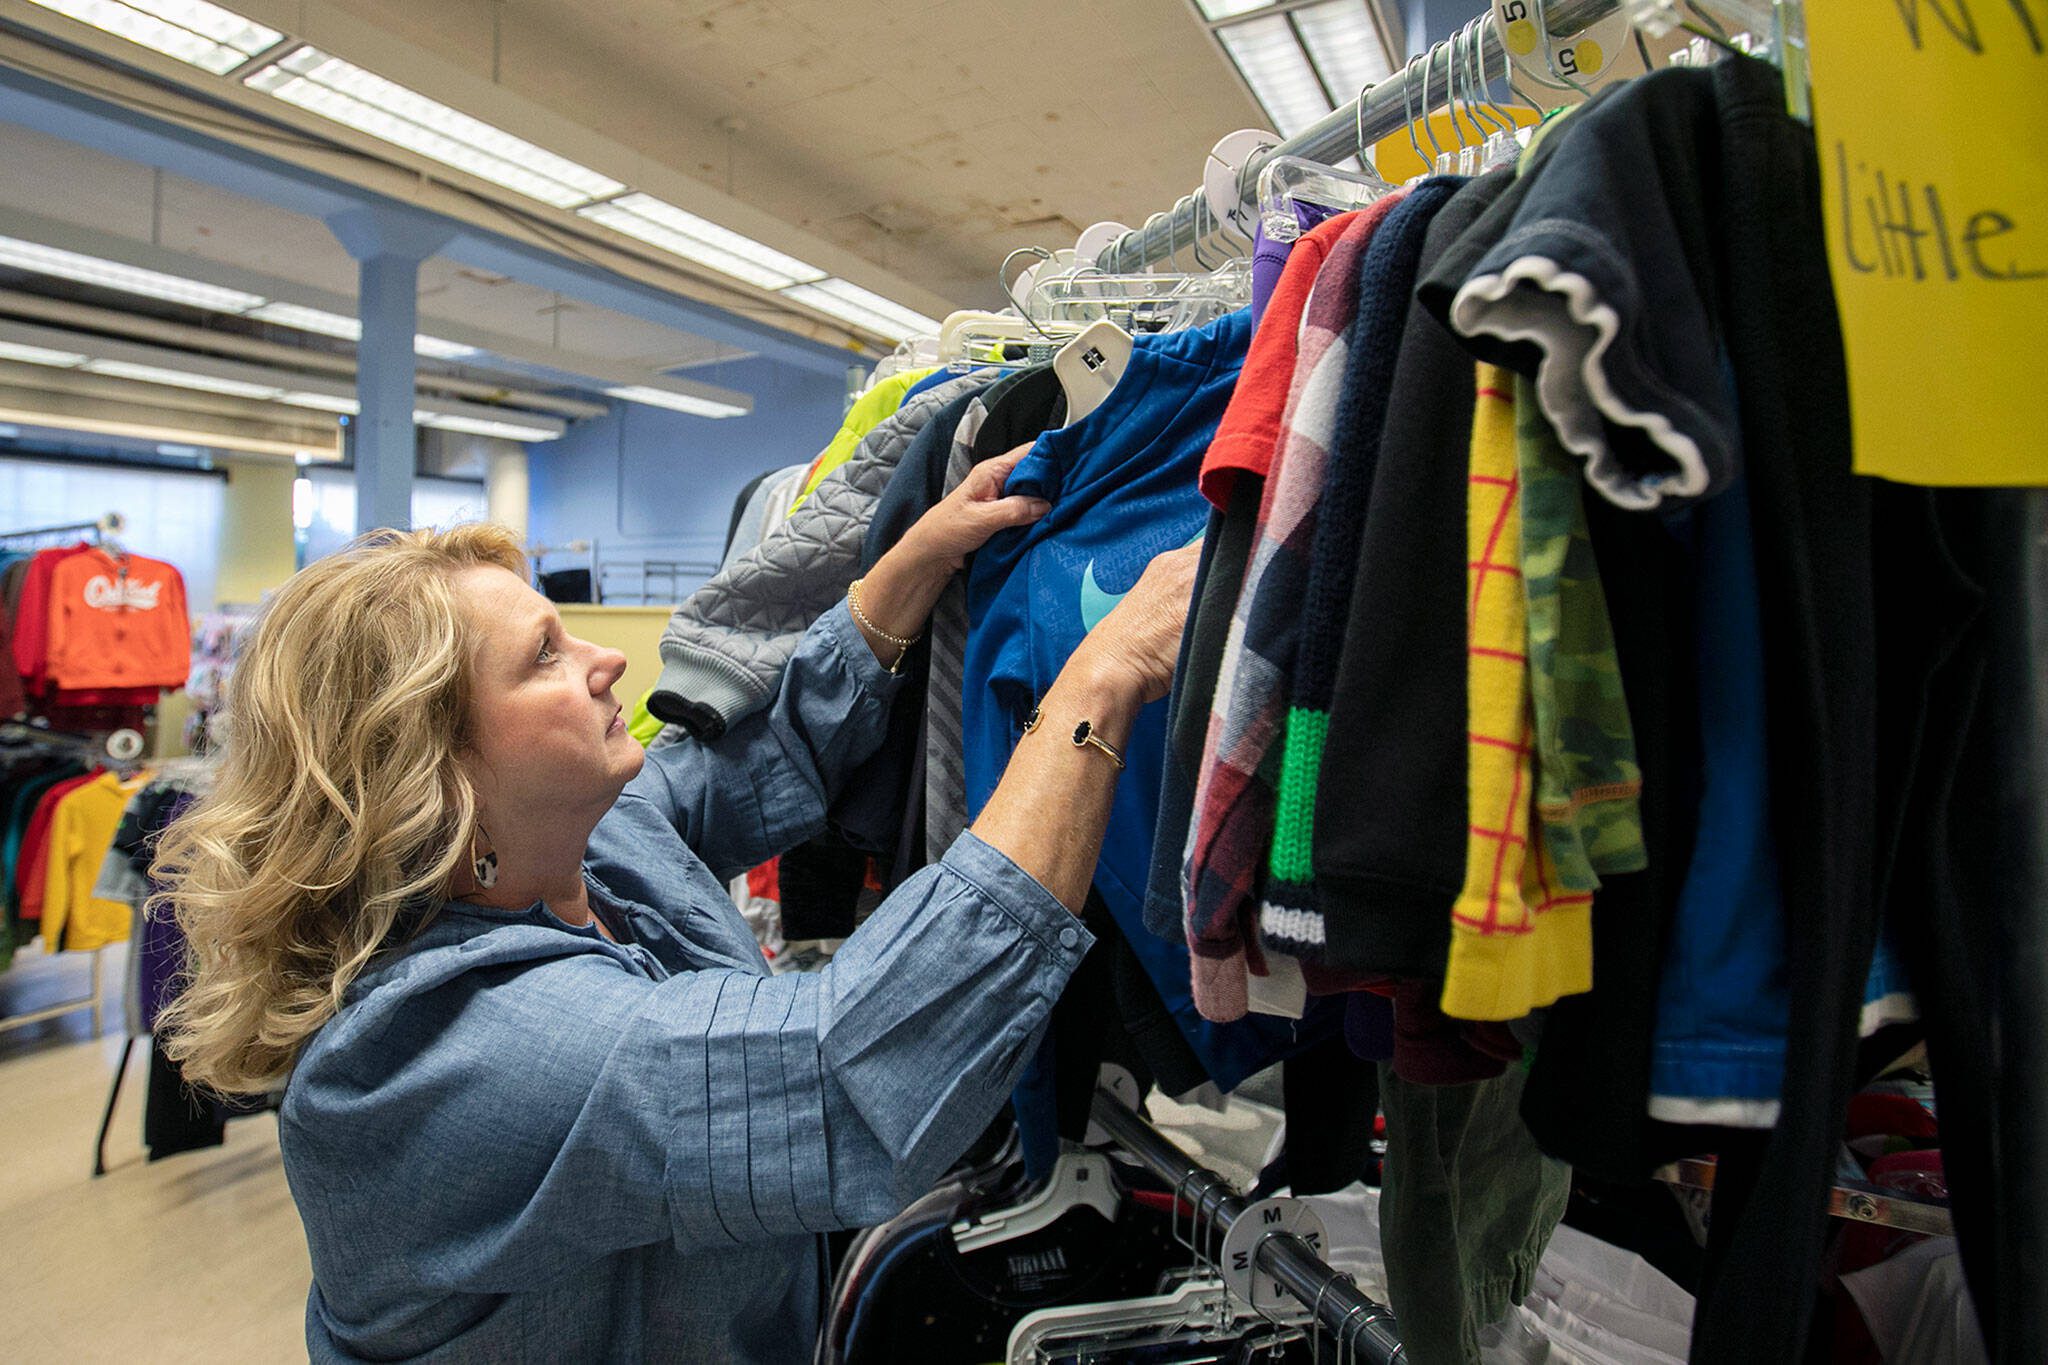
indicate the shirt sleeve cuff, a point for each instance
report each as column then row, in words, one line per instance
column 1019, row 895
column 838, row 627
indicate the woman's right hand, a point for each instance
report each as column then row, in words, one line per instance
column 1135, row 647
column 1048, row 813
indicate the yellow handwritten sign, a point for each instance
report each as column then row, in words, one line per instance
column 1934, row 170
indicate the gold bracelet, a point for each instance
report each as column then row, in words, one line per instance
column 902, row 645
column 1084, row 736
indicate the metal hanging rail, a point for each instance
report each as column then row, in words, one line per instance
column 1387, row 107
column 1358, row 1325
column 110, row 524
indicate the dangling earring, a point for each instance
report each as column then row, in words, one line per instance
column 484, row 868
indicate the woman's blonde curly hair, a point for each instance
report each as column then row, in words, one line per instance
column 339, row 801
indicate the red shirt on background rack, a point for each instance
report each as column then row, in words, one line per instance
column 32, row 862
column 32, row 616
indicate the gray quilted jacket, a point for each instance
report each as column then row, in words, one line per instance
column 724, row 649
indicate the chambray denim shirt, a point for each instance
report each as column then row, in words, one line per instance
column 517, row 1140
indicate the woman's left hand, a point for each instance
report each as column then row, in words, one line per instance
column 897, row 594
column 964, row 520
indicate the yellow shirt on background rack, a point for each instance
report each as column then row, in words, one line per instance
column 81, row 831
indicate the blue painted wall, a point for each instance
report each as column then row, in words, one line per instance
column 1432, row 21
column 646, row 483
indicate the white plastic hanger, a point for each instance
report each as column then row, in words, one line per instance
column 1090, row 365
column 1079, row 1180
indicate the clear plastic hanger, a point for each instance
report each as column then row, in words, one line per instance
column 1151, row 302
column 1285, row 181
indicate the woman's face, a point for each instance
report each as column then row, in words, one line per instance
column 549, row 734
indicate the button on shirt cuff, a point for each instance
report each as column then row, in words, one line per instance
column 1018, row 894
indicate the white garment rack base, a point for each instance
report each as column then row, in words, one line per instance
column 91, row 1002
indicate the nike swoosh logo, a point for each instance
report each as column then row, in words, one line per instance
column 1095, row 603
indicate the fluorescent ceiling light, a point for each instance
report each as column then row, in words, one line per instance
column 1344, row 44
column 479, row 426
column 182, row 379
column 219, row 41
column 176, row 449
column 1277, row 69
column 679, row 402
column 129, row 279
column 39, row 355
column 151, row 431
column 438, row 348
column 700, row 240
column 1303, row 61
column 344, row 92
column 325, row 402
column 304, row 319
column 851, row 303
column 309, row 320
column 476, row 426
column 194, row 32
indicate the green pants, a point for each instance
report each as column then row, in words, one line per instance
column 1467, row 1206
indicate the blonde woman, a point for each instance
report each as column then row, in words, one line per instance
column 542, row 1101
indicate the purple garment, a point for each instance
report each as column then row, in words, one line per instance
column 162, row 950
column 1269, row 257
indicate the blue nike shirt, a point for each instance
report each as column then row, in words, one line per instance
column 1122, row 484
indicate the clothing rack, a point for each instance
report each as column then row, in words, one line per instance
column 654, row 582
column 1857, row 1202
column 101, row 527
column 1359, row 1326
column 92, row 1000
column 119, row 749
column 1424, row 85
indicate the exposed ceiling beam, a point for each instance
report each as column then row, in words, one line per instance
column 113, row 352
column 99, row 90
column 110, row 416
column 36, row 227
column 210, row 341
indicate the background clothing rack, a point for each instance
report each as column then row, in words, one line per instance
column 90, row 1001
column 1358, row 1325
column 109, row 524
column 1857, row 1202
column 121, row 755
column 1349, row 130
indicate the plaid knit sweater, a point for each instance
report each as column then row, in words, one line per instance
column 1520, row 939
column 1290, row 919
column 1232, row 827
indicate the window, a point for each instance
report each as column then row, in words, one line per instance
column 324, row 508
column 171, row 515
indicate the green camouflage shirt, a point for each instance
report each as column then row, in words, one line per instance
column 1587, row 780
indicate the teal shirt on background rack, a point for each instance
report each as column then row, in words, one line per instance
column 519, row 1140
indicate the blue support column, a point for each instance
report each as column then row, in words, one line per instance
column 388, row 248
column 388, row 303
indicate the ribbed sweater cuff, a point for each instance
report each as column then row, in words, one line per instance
column 703, row 692
column 1380, row 925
